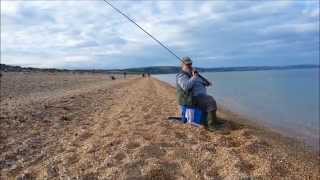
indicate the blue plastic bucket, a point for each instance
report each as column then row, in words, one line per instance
column 192, row 115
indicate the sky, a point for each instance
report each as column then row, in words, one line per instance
column 90, row 35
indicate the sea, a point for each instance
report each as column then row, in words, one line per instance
column 285, row 100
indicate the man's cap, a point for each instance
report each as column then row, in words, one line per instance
column 186, row 60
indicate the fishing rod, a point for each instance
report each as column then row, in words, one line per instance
column 150, row 35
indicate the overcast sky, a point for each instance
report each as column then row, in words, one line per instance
column 89, row 34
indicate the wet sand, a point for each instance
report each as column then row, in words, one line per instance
column 64, row 126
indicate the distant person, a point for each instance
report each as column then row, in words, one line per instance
column 124, row 75
column 191, row 91
column 149, row 74
column 143, row 75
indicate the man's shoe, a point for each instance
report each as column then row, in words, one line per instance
column 218, row 121
column 216, row 127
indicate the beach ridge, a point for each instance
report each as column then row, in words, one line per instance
column 100, row 128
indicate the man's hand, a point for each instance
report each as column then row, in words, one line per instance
column 195, row 73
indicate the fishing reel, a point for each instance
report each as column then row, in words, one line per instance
column 206, row 82
column 195, row 72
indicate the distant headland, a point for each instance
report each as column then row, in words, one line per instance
column 153, row 69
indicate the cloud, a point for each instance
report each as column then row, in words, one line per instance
column 89, row 34
column 296, row 28
column 9, row 7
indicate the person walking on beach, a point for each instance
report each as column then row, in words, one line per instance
column 191, row 91
column 124, row 75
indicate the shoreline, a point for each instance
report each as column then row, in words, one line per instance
column 227, row 113
column 291, row 145
column 94, row 128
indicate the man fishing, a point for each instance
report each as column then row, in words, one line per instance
column 191, row 87
column 191, row 91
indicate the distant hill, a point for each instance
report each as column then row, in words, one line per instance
column 176, row 69
column 9, row 68
column 261, row 68
column 152, row 69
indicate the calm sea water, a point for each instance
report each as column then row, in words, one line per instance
column 285, row 100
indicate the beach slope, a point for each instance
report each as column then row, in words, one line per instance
column 94, row 128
